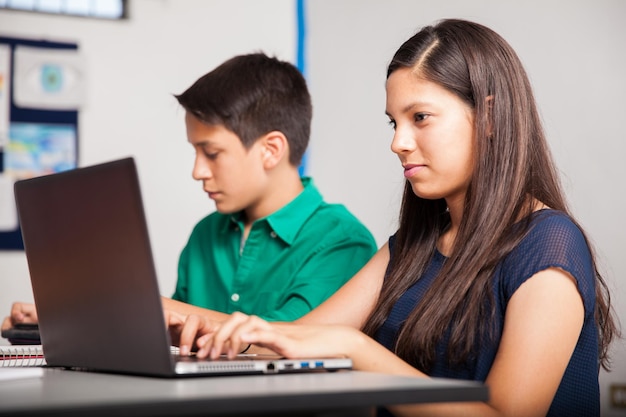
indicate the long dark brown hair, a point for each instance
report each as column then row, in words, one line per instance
column 513, row 165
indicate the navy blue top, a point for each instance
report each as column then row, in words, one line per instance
column 553, row 241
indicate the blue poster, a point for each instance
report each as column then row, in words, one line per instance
column 38, row 149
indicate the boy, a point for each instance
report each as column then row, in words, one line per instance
column 273, row 248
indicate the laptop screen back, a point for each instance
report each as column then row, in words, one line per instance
column 92, row 271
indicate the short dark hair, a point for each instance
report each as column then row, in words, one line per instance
column 252, row 95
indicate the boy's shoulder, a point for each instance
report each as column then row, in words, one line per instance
column 336, row 220
column 338, row 213
column 322, row 214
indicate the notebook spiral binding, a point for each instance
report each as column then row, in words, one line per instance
column 21, row 356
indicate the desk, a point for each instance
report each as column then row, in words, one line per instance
column 73, row 393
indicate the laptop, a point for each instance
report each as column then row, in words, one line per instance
column 94, row 282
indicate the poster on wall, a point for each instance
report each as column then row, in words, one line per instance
column 8, row 216
column 48, row 79
column 41, row 90
column 36, row 149
column 5, row 82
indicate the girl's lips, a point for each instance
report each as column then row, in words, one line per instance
column 410, row 170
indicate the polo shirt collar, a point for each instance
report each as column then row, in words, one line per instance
column 288, row 221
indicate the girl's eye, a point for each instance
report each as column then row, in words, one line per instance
column 420, row 117
column 211, row 156
column 392, row 123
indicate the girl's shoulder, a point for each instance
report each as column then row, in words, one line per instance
column 553, row 240
column 552, row 230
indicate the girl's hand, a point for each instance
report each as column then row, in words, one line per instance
column 184, row 330
column 288, row 340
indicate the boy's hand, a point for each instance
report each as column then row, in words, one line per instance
column 20, row 313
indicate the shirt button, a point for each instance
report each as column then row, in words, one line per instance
column 273, row 234
column 235, row 297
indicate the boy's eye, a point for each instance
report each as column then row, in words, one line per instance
column 210, row 155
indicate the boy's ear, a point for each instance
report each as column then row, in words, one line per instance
column 274, row 148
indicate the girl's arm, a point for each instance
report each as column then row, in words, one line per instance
column 542, row 324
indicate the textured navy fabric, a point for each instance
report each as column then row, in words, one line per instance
column 552, row 241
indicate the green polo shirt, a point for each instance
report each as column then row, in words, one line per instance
column 292, row 261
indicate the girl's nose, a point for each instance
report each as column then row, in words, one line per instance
column 402, row 141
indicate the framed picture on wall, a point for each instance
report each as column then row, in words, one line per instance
column 40, row 93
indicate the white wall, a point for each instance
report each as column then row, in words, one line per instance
column 575, row 54
column 573, row 51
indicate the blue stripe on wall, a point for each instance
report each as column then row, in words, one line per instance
column 301, row 58
column 300, row 53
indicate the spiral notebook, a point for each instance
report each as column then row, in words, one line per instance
column 24, row 356
column 94, row 281
column 21, row 356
